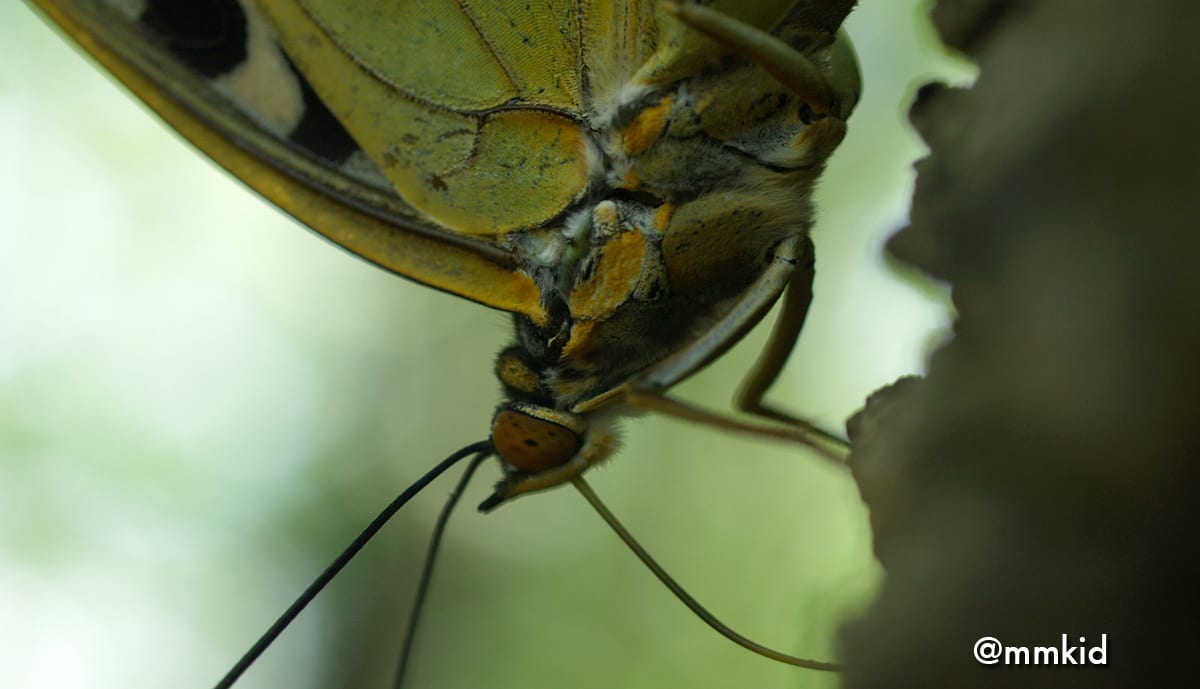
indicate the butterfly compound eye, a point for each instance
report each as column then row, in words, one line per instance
column 526, row 440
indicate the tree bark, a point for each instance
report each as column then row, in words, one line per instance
column 1039, row 482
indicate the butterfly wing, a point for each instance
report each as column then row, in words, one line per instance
column 216, row 74
column 443, row 140
column 474, row 119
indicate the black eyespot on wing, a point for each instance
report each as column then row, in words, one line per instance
column 319, row 132
column 207, row 35
column 210, row 37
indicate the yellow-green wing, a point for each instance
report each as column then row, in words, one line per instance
column 469, row 109
column 479, row 111
column 259, row 123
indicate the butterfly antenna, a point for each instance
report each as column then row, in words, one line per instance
column 435, row 544
column 479, row 448
column 687, row 598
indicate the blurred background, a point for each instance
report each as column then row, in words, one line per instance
column 201, row 403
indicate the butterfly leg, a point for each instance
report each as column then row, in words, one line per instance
column 665, row 404
column 830, row 91
column 791, row 269
column 796, row 300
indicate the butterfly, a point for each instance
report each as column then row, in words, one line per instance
column 508, row 279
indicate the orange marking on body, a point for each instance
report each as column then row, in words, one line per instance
column 614, row 277
column 662, row 217
column 516, row 374
column 629, row 180
column 582, row 340
column 647, row 127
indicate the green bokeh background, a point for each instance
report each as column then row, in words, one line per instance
column 201, row 403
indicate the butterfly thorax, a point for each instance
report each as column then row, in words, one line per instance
column 692, row 187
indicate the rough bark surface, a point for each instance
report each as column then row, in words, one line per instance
column 1040, row 480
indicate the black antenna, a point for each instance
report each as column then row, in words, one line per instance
column 480, row 448
column 435, row 544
